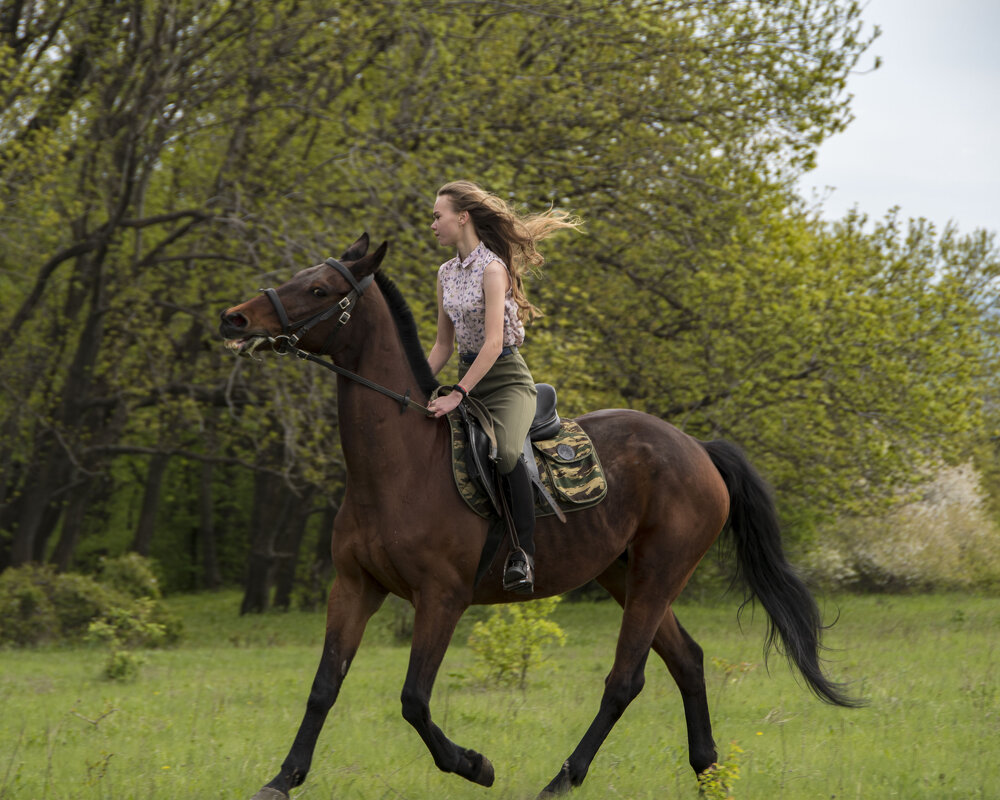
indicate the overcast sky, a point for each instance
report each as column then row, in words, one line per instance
column 926, row 134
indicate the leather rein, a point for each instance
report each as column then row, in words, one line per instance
column 293, row 332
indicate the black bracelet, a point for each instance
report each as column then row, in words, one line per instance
column 459, row 388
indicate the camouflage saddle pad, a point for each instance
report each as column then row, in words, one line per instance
column 568, row 466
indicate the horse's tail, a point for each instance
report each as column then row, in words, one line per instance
column 767, row 576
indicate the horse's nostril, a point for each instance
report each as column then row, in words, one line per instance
column 234, row 320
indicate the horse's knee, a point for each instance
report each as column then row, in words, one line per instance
column 415, row 709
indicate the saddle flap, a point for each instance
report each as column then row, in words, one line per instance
column 479, row 455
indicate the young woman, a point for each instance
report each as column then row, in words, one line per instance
column 482, row 307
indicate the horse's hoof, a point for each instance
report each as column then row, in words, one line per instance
column 484, row 772
column 269, row 793
column 559, row 785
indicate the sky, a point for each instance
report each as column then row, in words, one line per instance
column 926, row 133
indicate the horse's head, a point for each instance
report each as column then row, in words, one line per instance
column 307, row 310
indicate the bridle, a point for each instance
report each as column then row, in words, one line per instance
column 293, row 332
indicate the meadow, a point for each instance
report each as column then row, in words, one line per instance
column 214, row 717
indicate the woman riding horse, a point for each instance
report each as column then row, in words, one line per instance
column 481, row 304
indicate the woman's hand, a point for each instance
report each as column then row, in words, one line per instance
column 443, row 404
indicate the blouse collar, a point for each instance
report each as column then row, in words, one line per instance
column 469, row 259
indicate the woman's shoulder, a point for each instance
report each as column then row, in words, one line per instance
column 485, row 256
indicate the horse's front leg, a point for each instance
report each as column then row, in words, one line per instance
column 353, row 600
column 433, row 626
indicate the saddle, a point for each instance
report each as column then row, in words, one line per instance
column 481, row 446
column 561, row 459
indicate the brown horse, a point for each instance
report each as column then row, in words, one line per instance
column 403, row 527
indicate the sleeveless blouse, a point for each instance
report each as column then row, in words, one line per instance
column 465, row 301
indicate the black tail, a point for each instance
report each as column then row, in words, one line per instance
column 766, row 574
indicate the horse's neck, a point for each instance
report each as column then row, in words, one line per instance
column 378, row 437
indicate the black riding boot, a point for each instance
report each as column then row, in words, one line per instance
column 519, row 574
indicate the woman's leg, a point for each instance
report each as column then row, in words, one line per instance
column 508, row 391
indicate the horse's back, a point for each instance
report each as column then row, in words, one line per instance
column 646, row 458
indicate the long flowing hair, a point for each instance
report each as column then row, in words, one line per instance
column 510, row 235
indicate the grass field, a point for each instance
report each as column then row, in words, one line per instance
column 214, row 717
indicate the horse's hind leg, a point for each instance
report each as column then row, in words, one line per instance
column 685, row 660
column 644, row 608
column 351, row 605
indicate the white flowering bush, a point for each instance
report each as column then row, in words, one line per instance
column 943, row 540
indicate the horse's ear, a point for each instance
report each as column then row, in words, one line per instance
column 370, row 263
column 356, row 250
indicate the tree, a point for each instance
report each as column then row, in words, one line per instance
column 160, row 159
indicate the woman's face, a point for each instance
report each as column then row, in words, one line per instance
column 447, row 224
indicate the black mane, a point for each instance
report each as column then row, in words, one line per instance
column 407, row 328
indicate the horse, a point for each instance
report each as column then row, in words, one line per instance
column 403, row 527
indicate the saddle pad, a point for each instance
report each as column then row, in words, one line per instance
column 567, row 464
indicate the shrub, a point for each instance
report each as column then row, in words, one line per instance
column 78, row 599
column 716, row 783
column 26, row 612
column 944, row 540
column 121, row 630
column 130, row 574
column 510, row 641
column 39, row 605
column 399, row 620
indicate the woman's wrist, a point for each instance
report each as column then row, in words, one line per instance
column 459, row 388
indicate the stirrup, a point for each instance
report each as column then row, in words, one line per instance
column 519, row 573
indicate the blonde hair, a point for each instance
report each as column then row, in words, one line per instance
column 510, row 235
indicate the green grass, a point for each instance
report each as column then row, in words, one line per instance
column 215, row 716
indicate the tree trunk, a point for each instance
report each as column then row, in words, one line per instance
column 211, row 576
column 72, row 526
column 146, row 526
column 289, row 546
column 272, row 505
column 37, row 504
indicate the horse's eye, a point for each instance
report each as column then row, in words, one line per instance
column 318, row 292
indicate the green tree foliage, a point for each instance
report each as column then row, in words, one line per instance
column 161, row 159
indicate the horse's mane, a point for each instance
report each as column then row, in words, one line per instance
column 407, row 328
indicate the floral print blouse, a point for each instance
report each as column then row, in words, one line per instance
column 465, row 301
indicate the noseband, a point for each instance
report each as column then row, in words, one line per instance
column 292, row 332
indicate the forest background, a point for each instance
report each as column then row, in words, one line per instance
column 161, row 159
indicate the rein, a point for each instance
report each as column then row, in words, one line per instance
column 293, row 332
